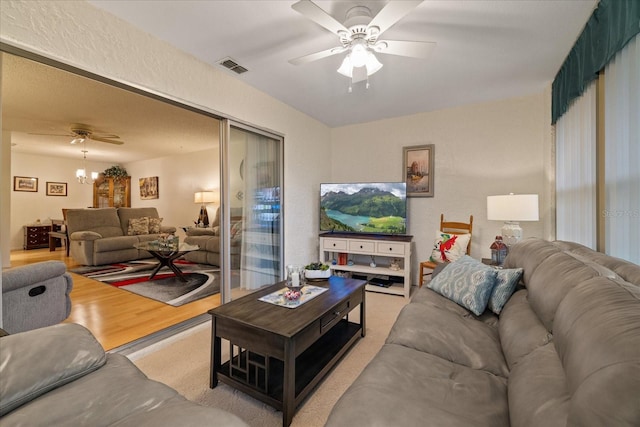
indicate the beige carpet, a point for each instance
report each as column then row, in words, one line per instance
column 183, row 363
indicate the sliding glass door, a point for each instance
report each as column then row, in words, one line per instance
column 252, row 215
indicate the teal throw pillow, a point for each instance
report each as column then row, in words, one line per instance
column 466, row 282
column 506, row 281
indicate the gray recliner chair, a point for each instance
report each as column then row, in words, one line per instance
column 35, row 296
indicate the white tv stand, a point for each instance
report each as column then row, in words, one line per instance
column 360, row 248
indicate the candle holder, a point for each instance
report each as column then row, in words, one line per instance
column 295, row 277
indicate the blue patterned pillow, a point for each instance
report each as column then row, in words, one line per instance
column 466, row 282
column 506, row 282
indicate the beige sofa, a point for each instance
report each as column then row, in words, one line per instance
column 564, row 350
column 103, row 236
column 208, row 240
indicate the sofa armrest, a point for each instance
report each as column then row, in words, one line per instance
column 203, row 231
column 85, row 235
column 27, row 275
column 167, row 229
column 35, row 362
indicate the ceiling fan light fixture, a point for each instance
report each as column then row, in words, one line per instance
column 78, row 140
column 359, row 53
column 346, row 68
column 373, row 65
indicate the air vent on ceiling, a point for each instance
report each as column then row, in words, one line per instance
column 232, row 65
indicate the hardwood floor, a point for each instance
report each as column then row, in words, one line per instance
column 116, row 317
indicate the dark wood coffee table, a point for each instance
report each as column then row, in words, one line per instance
column 278, row 354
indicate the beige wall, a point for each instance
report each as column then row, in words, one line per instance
column 481, row 150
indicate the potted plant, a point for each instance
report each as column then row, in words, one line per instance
column 317, row 270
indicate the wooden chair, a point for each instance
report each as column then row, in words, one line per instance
column 453, row 228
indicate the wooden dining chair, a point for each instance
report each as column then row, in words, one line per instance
column 451, row 227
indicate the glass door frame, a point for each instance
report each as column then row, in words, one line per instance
column 225, row 203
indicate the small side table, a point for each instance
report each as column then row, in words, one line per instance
column 54, row 236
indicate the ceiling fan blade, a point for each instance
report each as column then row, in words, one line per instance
column 412, row 49
column 392, row 13
column 319, row 16
column 52, row 134
column 318, row 55
column 106, row 139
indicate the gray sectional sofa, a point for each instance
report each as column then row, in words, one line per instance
column 35, row 295
column 564, row 351
column 61, row 376
column 102, row 236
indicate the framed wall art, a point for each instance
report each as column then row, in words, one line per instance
column 56, row 188
column 417, row 169
column 25, row 183
column 149, row 188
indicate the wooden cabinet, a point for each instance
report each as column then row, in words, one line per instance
column 362, row 249
column 112, row 192
column 36, row 236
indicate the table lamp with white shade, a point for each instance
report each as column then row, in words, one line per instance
column 512, row 208
column 204, row 197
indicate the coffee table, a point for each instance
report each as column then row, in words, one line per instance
column 279, row 354
column 166, row 254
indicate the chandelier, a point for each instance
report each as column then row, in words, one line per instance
column 81, row 174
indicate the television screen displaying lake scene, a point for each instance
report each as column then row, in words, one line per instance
column 377, row 207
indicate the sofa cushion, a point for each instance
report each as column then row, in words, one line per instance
column 538, row 393
column 23, row 380
column 110, row 244
column 597, row 335
column 521, row 331
column 467, row 282
column 405, row 387
column 138, row 226
column 103, row 221
column 125, row 214
column 445, row 334
column 506, row 282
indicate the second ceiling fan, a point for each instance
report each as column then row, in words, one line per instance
column 360, row 37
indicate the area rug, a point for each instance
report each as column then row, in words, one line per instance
column 182, row 362
column 202, row 280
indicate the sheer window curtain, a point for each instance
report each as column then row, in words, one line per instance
column 622, row 154
column 260, row 260
column 576, row 171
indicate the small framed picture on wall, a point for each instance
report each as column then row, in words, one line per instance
column 25, row 183
column 56, row 188
column 417, row 169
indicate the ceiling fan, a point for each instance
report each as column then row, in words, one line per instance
column 80, row 133
column 360, row 36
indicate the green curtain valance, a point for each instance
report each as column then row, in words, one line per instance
column 609, row 29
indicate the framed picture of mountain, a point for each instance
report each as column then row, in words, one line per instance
column 417, row 169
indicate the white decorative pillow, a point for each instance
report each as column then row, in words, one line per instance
column 138, row 226
column 449, row 247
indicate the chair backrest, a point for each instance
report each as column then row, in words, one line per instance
column 454, row 227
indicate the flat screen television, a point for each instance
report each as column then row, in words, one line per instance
column 372, row 207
